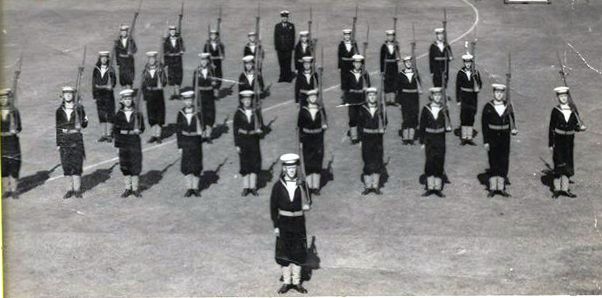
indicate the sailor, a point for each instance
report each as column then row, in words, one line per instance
column 468, row 85
column 372, row 123
column 284, row 42
column 217, row 50
column 173, row 50
column 307, row 79
column 355, row 82
column 206, row 85
column 248, row 129
column 153, row 81
column 125, row 49
column 409, row 88
column 11, row 148
column 248, row 77
column 389, row 56
column 312, row 124
column 288, row 203
column 440, row 54
column 347, row 49
column 303, row 49
column 432, row 140
column 190, row 143
column 103, row 83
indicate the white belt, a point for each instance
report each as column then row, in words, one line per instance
column 564, row 132
column 435, row 130
column 290, row 213
column 409, row 90
column 312, row 131
column 467, row 89
column 499, row 127
column 191, row 134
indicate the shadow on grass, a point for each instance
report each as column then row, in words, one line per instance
column 153, row 177
column 30, row 182
column 211, row 177
column 97, row 177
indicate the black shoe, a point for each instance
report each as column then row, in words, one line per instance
column 78, row 194
column 439, row 194
column 188, row 193
column 300, row 289
column 101, row 139
column 280, row 80
column 463, row 142
column 68, row 194
column 427, row 193
column 555, row 194
column 152, row 140
column 470, row 142
column 6, row 194
column 284, row 288
column 377, row 191
column 158, row 140
column 253, row 191
column 126, row 193
column 137, row 194
column 411, row 142
column 16, row 195
column 366, row 191
column 491, row 194
column 504, row 194
column 355, row 141
column 196, row 192
column 109, row 139
column 567, row 193
column 245, row 192
column 317, row 192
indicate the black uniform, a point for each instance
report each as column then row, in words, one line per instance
column 247, row 139
column 206, row 96
column 345, row 62
column 496, row 133
column 354, row 92
column 130, row 147
column 391, row 70
column 102, row 92
column 437, row 63
column 561, row 136
column 432, row 136
column 284, row 42
column 218, row 53
column 125, row 60
column 300, row 53
column 311, row 135
column 153, row 95
column 467, row 96
column 305, row 82
column 70, row 140
column 409, row 98
column 372, row 141
column 11, row 148
column 291, row 245
column 190, row 141
column 245, row 84
column 172, row 55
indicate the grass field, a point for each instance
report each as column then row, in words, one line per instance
column 222, row 244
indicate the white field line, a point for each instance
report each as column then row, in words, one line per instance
column 92, row 166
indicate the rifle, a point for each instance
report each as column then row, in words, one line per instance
column 354, row 24
column 197, row 108
column 321, row 88
column 136, row 104
column 256, row 97
column 219, row 33
column 309, row 22
column 76, row 97
column 510, row 109
column 571, row 102
column 381, row 103
column 444, row 74
column 303, row 176
column 13, row 96
column 180, row 17
column 397, row 54
column 258, row 63
column 413, row 53
column 133, row 27
column 366, row 42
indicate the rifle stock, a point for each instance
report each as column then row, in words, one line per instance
column 571, row 102
column 133, row 27
column 321, row 88
column 13, row 96
column 354, row 24
column 198, row 108
column 508, row 94
column 180, row 17
column 76, row 95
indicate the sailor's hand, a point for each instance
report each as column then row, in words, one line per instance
column 551, row 148
column 582, row 128
column 12, row 131
column 486, row 146
column 324, row 126
column 448, row 129
column 58, row 148
column 136, row 131
column 277, row 232
column 259, row 131
column 514, row 131
column 238, row 149
column 422, row 146
column 306, row 207
column 459, row 103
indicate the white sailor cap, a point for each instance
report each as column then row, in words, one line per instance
column 307, row 59
column 371, row 90
column 435, row 90
column 124, row 27
column 289, row 159
column 68, row 89
column 172, row 27
column 407, row 58
column 357, row 57
column 561, row 90
column 248, row 58
column 126, row 92
column 347, row 31
column 204, row 55
column 467, row 57
column 390, row 32
column 497, row 86
column 152, row 53
column 312, row 92
column 246, row 93
column 5, row 91
column 252, row 33
column 439, row 30
column 304, row 33
column 104, row 53
column 213, row 31
column 284, row 13
column 187, row 94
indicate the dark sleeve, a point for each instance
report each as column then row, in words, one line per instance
column 116, row 51
column 94, row 89
column 484, row 124
column 367, row 79
column 458, row 86
column 141, row 122
column 18, row 120
column 182, row 47
column 340, row 57
column 241, row 82
column 422, row 127
column 551, row 130
column 297, row 87
column 134, row 47
column 194, row 78
column 292, row 41
column 260, row 81
column 478, row 79
column 450, row 54
column 345, row 82
column 274, row 205
column 235, row 127
column 113, row 77
column 58, row 128
column 222, row 48
column 179, row 124
column 259, row 114
column 298, row 53
column 116, row 124
column 276, row 33
column 83, row 117
column 163, row 76
column 382, row 57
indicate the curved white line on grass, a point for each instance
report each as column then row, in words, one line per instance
column 474, row 25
